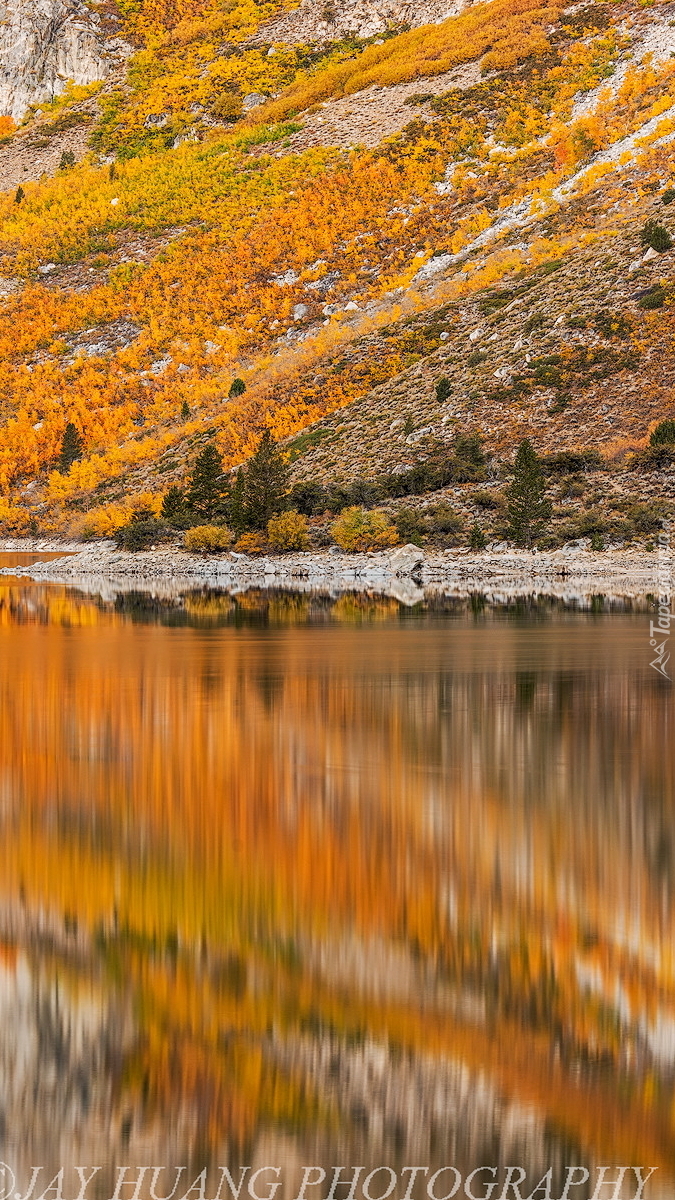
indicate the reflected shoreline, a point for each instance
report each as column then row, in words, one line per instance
column 29, row 602
column 406, row 574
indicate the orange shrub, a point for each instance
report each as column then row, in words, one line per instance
column 251, row 543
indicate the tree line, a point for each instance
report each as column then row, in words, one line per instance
column 248, row 499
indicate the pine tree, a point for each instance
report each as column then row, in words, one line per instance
column 185, row 410
column 236, row 510
column 528, row 508
column 443, row 389
column 19, row 195
column 72, row 447
column 175, row 509
column 265, row 484
column 208, row 484
column 237, row 388
column 477, row 539
column 664, row 434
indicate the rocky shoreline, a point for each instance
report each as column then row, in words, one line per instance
column 407, row 573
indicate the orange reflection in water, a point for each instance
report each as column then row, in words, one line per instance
column 451, row 835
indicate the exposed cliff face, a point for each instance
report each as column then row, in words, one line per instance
column 43, row 44
column 323, row 20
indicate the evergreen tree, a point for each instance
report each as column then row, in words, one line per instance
column 656, row 236
column 443, row 389
column 19, row 195
column 467, row 464
column 175, row 509
column 237, row 505
column 185, row 410
column 208, row 484
column 664, row 434
column 237, row 388
column 72, row 447
column 265, row 483
column 477, row 539
column 528, row 508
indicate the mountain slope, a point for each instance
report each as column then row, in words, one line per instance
column 340, row 224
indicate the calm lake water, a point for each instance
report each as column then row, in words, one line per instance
column 291, row 880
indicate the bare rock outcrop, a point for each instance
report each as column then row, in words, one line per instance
column 324, row 20
column 43, row 45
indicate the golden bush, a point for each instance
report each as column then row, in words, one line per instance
column 358, row 529
column 227, row 107
column 202, row 539
column 288, row 531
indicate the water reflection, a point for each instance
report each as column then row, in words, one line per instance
column 328, row 876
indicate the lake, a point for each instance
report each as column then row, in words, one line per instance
column 292, row 879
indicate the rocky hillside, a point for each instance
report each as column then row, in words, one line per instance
column 325, row 20
column 341, row 207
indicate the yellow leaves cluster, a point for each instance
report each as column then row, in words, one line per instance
column 206, row 292
column 104, row 520
column 13, row 518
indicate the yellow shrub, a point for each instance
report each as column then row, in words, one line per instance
column 227, row 107
column 103, row 521
column 13, row 519
column 358, row 529
column 204, row 538
column 288, row 531
column 251, row 543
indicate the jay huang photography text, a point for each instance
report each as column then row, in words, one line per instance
column 509, row 1182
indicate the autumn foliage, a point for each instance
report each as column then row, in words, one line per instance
column 172, row 279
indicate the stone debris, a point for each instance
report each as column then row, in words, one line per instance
column 367, row 117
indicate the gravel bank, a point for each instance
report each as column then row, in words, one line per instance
column 574, row 573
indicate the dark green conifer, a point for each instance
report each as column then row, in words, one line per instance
column 443, row 389
column 208, row 483
column 265, row 483
column 72, row 447
column 664, row 434
column 175, row 509
column 477, row 539
column 528, row 507
column 237, row 388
